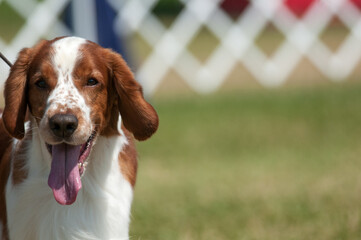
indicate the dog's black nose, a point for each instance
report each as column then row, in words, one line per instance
column 63, row 125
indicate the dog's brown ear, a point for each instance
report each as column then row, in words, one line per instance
column 138, row 116
column 15, row 95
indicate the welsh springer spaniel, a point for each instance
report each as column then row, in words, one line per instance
column 72, row 108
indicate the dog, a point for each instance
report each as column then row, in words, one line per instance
column 67, row 157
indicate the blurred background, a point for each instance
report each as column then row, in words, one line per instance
column 259, row 105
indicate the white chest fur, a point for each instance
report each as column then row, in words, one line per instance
column 102, row 208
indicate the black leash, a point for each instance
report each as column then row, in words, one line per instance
column 5, row 60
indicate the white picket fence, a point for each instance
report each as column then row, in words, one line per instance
column 236, row 38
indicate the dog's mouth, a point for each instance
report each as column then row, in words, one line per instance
column 67, row 167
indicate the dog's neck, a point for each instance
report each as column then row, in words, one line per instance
column 103, row 185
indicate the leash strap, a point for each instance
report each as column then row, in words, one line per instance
column 5, row 59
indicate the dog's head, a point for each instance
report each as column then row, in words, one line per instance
column 75, row 90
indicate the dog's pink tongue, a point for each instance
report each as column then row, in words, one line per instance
column 64, row 177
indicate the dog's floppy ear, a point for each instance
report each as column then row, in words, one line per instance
column 15, row 95
column 138, row 116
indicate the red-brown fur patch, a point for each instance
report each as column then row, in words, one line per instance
column 97, row 97
column 138, row 116
column 5, row 153
column 15, row 91
column 128, row 159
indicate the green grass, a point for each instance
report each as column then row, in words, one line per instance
column 276, row 164
column 10, row 22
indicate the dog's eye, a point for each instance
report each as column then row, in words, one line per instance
column 41, row 83
column 92, row 82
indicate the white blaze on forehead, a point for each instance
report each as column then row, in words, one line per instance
column 65, row 56
column 66, row 53
column 65, row 96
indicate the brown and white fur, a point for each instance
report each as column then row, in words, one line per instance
column 72, row 93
